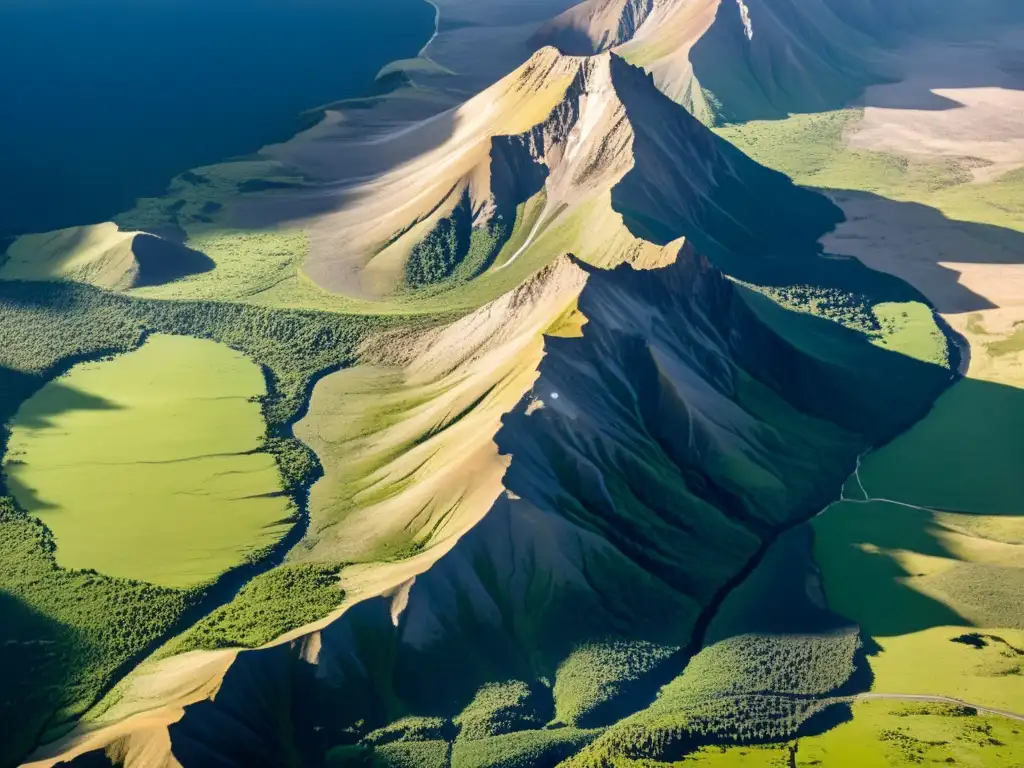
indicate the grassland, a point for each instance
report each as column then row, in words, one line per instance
column 914, row 572
column 810, row 149
column 894, row 734
column 147, row 466
column 988, row 673
column 882, row 734
column 964, row 457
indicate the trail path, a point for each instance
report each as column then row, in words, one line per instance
column 868, row 498
column 529, row 241
column 932, row 699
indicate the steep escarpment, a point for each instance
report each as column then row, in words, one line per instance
column 594, row 26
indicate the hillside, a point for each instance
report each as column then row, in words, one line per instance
column 594, row 393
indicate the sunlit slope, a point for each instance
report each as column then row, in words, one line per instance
column 100, row 255
column 407, row 443
column 594, row 26
column 554, row 155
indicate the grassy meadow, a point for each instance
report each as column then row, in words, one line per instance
column 882, row 734
column 965, row 457
column 147, row 466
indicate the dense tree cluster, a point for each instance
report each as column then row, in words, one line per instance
column 66, row 631
column 849, row 309
column 273, row 603
column 500, row 708
column 596, row 673
column 523, row 749
column 454, row 249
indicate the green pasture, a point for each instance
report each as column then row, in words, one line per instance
column 146, row 466
column 964, row 457
column 882, row 734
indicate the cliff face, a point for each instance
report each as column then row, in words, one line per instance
column 594, row 26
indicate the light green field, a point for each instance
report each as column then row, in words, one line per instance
column 249, row 263
column 991, row 676
column 882, row 734
column 909, row 329
column 145, row 466
column 965, row 457
column 916, row 580
column 913, row 571
column 809, row 148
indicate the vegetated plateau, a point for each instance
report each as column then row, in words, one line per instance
column 622, row 383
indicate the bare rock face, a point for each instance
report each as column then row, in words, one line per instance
column 594, row 26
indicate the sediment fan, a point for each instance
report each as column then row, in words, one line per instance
column 543, row 505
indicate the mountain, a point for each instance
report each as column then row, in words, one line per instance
column 594, row 26
column 735, row 61
column 541, row 505
column 600, row 441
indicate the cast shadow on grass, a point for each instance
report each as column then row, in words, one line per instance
column 916, row 241
column 34, row 665
column 162, row 261
column 871, row 547
column 43, row 412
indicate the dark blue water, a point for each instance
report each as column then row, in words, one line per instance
column 103, row 101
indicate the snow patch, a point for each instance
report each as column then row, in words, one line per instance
column 748, row 27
